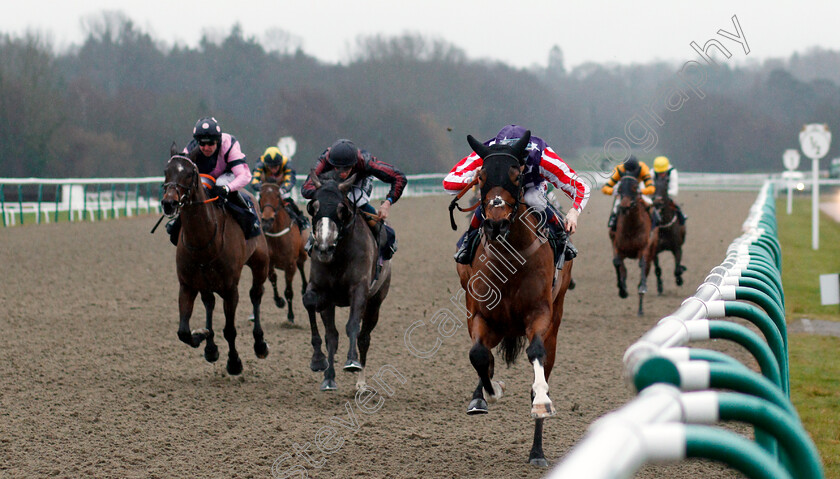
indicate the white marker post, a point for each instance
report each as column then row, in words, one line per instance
column 815, row 139
column 287, row 145
column 791, row 161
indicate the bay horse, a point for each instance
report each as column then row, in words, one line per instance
column 634, row 236
column 211, row 253
column 671, row 232
column 285, row 244
column 515, row 292
column 342, row 272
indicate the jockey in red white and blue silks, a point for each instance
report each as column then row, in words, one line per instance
column 542, row 166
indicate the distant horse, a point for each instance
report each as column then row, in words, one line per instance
column 211, row 253
column 633, row 236
column 342, row 272
column 515, row 294
column 671, row 232
column 285, row 244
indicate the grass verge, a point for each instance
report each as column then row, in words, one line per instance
column 814, row 362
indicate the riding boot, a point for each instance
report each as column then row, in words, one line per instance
column 249, row 220
column 310, row 242
column 389, row 246
column 681, row 217
column 173, row 227
column 297, row 215
column 612, row 221
column 466, row 246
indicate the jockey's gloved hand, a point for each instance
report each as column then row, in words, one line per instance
column 607, row 190
column 220, row 191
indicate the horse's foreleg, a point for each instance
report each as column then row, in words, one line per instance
column 288, row 293
column 186, row 300
column 644, row 268
column 272, row 277
column 541, row 406
column 300, row 262
column 536, row 457
column 679, row 269
column 231, row 299
column 481, row 357
column 318, row 361
column 354, row 321
column 211, row 351
column 256, row 294
column 658, row 271
column 331, row 334
column 621, row 274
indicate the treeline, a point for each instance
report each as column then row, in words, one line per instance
column 113, row 105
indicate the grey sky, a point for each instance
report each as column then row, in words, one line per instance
column 518, row 33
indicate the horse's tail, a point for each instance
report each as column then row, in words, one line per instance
column 510, row 347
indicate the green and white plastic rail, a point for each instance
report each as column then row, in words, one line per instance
column 673, row 380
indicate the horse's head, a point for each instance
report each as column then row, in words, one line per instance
column 332, row 213
column 181, row 183
column 500, row 181
column 661, row 181
column 271, row 204
column 628, row 193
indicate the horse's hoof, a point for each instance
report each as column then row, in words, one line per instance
column 234, row 366
column 679, row 281
column 318, row 364
column 352, row 366
column 211, row 354
column 622, row 293
column 477, row 406
column 261, row 350
column 279, row 302
column 541, row 411
column 251, row 317
column 572, row 284
column 329, row 385
column 539, row 462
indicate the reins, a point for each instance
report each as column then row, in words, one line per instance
column 454, row 204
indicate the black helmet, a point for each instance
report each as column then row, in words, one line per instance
column 631, row 166
column 342, row 153
column 207, row 128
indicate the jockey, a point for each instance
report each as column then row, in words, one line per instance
column 275, row 167
column 662, row 167
column 344, row 157
column 542, row 166
column 635, row 168
column 220, row 156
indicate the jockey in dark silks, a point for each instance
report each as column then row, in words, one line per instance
column 542, row 166
column 220, row 156
column 276, row 167
column 344, row 157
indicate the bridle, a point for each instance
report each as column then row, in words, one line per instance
column 633, row 197
column 275, row 208
column 185, row 196
column 498, row 202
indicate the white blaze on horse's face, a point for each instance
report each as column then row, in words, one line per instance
column 326, row 237
column 496, row 202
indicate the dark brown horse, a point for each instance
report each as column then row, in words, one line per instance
column 285, row 244
column 515, row 294
column 633, row 237
column 671, row 232
column 343, row 272
column 211, row 253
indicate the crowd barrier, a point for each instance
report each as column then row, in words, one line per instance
column 676, row 415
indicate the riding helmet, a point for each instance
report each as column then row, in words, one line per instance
column 272, row 157
column 207, row 128
column 631, row 166
column 342, row 153
column 661, row 164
